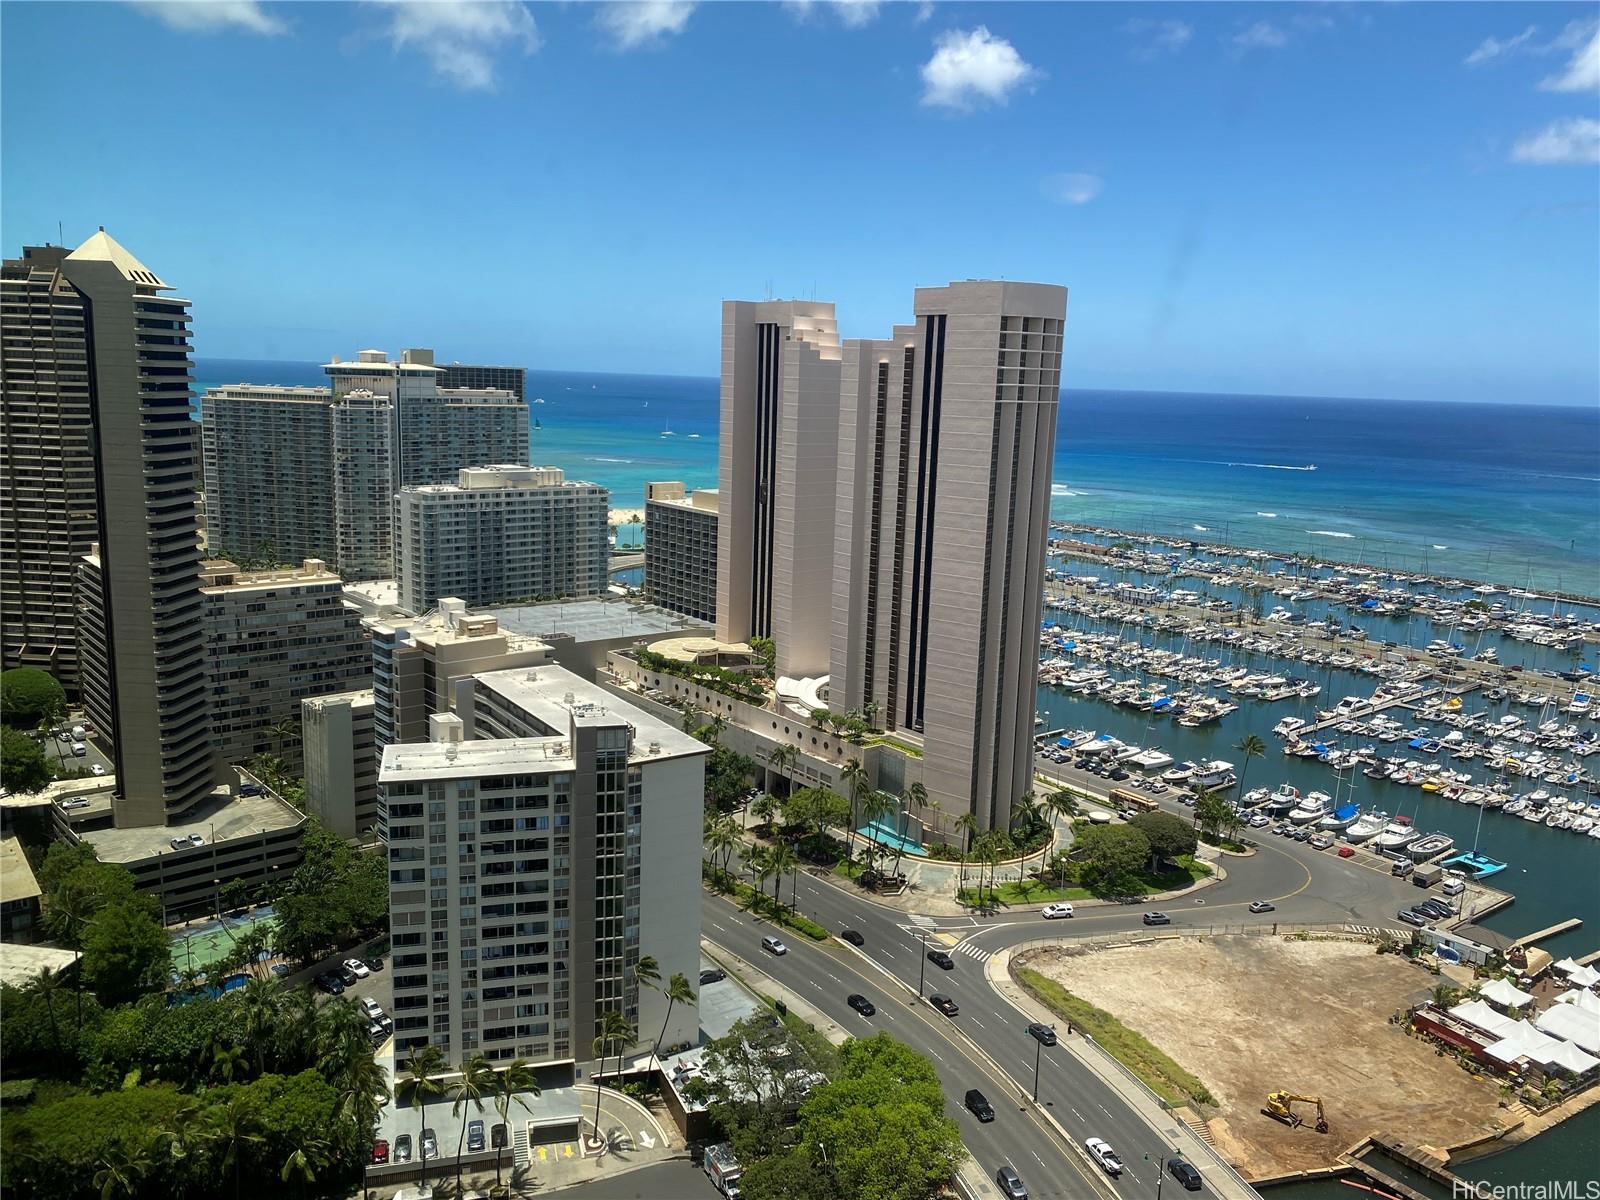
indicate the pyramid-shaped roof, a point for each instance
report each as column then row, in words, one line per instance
column 102, row 247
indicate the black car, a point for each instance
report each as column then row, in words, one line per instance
column 345, row 975
column 852, row 936
column 944, row 1004
column 330, row 983
column 1184, row 1173
column 712, row 975
column 1157, row 918
column 1045, row 1033
column 497, row 1136
column 372, row 964
column 861, row 1004
column 1010, row 1184
column 474, row 1135
column 941, row 958
column 978, row 1105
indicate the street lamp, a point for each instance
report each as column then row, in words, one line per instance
column 1038, row 1054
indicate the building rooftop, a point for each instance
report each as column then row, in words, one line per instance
column 221, row 818
column 374, row 597
column 358, row 696
column 220, row 575
column 596, row 619
column 261, row 391
column 19, row 963
column 16, row 876
column 511, row 476
column 102, row 247
column 558, row 698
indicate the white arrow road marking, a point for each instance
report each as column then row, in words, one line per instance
column 648, row 1142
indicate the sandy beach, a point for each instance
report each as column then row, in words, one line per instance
column 627, row 516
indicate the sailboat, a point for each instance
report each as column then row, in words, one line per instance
column 667, row 432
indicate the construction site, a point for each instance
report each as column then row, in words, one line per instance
column 1292, row 1037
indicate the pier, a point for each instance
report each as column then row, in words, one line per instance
column 1548, row 932
column 1413, row 1158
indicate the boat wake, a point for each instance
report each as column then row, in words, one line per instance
column 1266, row 514
column 1436, row 546
column 624, row 461
column 1273, row 466
column 1201, row 528
column 1330, row 533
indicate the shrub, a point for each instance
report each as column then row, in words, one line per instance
column 27, row 695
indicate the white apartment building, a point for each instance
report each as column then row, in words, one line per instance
column 680, row 549
column 340, row 752
column 777, row 472
column 273, row 638
column 545, row 838
column 501, row 534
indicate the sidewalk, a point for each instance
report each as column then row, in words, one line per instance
column 1220, row 1176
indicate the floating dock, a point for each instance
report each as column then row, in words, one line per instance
column 1548, row 932
column 1413, row 1158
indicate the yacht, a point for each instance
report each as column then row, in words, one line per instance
column 1152, row 760
column 1313, row 808
column 1289, row 726
column 1367, row 826
column 1396, row 835
column 1213, row 774
column 1430, row 846
column 1282, row 801
column 1104, row 744
column 1340, row 818
column 1181, row 773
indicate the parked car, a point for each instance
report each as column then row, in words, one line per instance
column 774, row 945
column 942, row 959
column 1347, row 851
column 944, row 1004
column 380, row 1152
column 373, row 964
column 1051, row 911
column 1045, row 1033
column 498, row 1139
column 1321, row 842
column 1411, row 918
column 357, row 968
column 330, row 983
column 179, row 843
column 978, row 1105
column 712, row 975
column 96, row 769
column 1157, row 918
column 430, row 1145
column 345, row 975
column 852, row 936
column 371, row 1008
column 1184, row 1173
column 402, row 1148
column 1262, row 906
column 861, row 1004
column 1303, row 834
column 1011, row 1186
column 1103, row 1154
column 474, row 1135
column 251, row 789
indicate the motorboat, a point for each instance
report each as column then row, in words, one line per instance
column 1103, row 744
column 1430, row 846
column 1289, row 726
column 1213, row 774
column 1340, row 818
column 1367, row 826
column 1396, row 835
column 1313, row 808
column 1282, row 801
column 1479, row 866
column 1151, row 760
column 1181, row 773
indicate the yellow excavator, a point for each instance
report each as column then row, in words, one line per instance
column 1280, row 1107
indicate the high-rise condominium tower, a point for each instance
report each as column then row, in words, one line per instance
column 946, row 439
column 146, row 662
column 779, row 443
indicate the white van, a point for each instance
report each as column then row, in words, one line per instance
column 1453, row 887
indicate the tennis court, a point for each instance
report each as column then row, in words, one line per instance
column 201, row 945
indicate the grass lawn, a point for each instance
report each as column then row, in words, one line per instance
column 1133, row 1050
column 1190, row 872
column 848, row 869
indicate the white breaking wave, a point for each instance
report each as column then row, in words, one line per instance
column 1061, row 489
column 625, row 461
column 1273, row 466
column 1436, row 546
column 1201, row 528
column 1266, row 514
column 1330, row 533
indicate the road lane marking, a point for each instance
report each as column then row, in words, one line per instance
column 1076, row 1113
column 976, row 1022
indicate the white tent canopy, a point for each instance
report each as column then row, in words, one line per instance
column 1587, row 1001
column 1569, row 1058
column 1479, row 1015
column 1498, row 991
column 1571, row 1024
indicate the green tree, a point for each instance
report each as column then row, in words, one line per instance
column 28, row 695
column 1210, row 810
column 233, row 1133
column 858, row 783
column 515, row 1083
column 763, row 809
column 721, row 838
column 475, row 1080
column 1170, row 837
column 611, row 1029
column 967, row 827
column 23, row 766
column 1250, row 746
column 424, row 1081
column 677, row 991
column 125, row 952
column 1112, row 855
column 766, row 651
column 728, row 774
column 781, row 761
column 46, row 986
column 336, row 895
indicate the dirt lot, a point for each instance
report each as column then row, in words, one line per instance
column 1253, row 1015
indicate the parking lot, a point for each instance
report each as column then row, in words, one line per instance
column 58, row 751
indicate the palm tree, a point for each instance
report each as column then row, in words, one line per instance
column 259, row 999
column 677, row 991
column 303, row 1162
column 422, row 1079
column 1026, row 812
column 854, row 776
column 232, row 1131
column 691, row 718
column 46, row 984
column 781, row 858
column 967, row 827
column 763, row 808
column 69, row 911
column 127, row 1164
column 1061, row 805
column 721, row 838
column 281, row 732
column 227, row 1056
column 717, row 725
column 647, row 972
column 1250, row 746
column 758, row 861
column 875, row 806
column 516, row 1081
column 612, row 1029
column 475, row 1080
column 781, row 761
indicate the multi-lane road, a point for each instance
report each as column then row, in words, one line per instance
column 1306, row 886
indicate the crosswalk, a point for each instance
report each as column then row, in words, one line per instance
column 974, row 951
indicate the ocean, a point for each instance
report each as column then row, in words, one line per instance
column 1507, row 492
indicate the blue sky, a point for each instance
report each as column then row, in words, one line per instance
column 1369, row 200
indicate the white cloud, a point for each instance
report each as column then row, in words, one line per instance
column 460, row 38
column 1583, row 70
column 852, row 14
column 924, row 12
column 1159, row 37
column 1569, row 141
column 1072, row 187
column 645, row 22
column 1493, row 48
column 971, row 67
column 1261, row 36
column 212, row 16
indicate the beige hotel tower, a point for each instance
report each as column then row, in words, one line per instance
column 917, row 490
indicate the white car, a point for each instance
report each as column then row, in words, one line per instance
column 357, row 968
column 372, row 1008
column 1104, row 1155
column 774, row 945
column 1052, row 911
column 97, row 769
